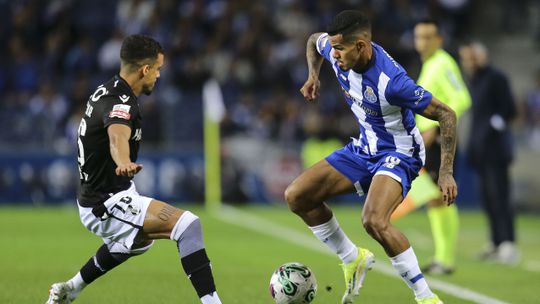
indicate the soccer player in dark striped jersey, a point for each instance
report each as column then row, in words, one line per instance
column 108, row 201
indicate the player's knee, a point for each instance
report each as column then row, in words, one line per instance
column 293, row 196
column 187, row 219
column 374, row 225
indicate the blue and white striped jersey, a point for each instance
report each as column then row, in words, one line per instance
column 383, row 99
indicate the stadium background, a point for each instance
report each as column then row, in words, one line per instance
column 56, row 52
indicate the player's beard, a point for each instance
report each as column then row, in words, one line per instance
column 147, row 90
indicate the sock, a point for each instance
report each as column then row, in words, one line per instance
column 406, row 265
column 188, row 234
column 99, row 264
column 77, row 282
column 444, row 227
column 190, row 239
column 197, row 267
column 333, row 236
column 211, row 299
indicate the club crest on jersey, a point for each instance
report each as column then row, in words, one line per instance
column 124, row 98
column 369, row 95
column 120, row 111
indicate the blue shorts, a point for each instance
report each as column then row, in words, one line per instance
column 360, row 168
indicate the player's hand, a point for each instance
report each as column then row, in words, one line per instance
column 310, row 90
column 129, row 169
column 448, row 187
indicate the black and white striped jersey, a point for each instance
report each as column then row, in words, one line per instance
column 112, row 103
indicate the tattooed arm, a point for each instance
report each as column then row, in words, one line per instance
column 310, row 89
column 446, row 117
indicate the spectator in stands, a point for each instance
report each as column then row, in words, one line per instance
column 49, row 111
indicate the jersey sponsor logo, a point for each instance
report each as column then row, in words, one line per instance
column 120, row 111
column 369, row 95
column 370, row 111
column 419, row 94
column 391, row 161
column 124, row 98
column 367, row 110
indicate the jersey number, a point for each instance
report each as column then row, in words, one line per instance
column 80, row 148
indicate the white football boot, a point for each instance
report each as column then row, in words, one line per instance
column 62, row 293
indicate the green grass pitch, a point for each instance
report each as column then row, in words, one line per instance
column 44, row 245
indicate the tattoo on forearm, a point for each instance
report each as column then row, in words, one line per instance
column 314, row 60
column 166, row 213
column 447, row 122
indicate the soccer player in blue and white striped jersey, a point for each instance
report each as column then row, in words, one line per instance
column 382, row 161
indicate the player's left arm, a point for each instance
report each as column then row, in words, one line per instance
column 447, row 119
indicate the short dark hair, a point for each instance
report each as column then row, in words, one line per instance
column 433, row 22
column 138, row 48
column 348, row 22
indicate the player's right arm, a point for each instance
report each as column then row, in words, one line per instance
column 119, row 146
column 310, row 89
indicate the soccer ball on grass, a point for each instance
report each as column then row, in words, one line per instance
column 293, row 283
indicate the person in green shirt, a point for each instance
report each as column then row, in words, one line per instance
column 320, row 141
column 441, row 76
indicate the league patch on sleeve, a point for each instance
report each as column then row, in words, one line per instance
column 419, row 95
column 120, row 111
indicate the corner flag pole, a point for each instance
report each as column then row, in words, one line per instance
column 213, row 112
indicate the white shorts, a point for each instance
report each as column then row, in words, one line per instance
column 122, row 219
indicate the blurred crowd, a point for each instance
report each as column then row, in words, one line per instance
column 56, row 52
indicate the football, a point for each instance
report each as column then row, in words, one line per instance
column 293, row 283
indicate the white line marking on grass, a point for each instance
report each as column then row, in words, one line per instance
column 252, row 222
column 533, row 266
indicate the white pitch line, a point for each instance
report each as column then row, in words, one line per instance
column 252, row 222
column 533, row 266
